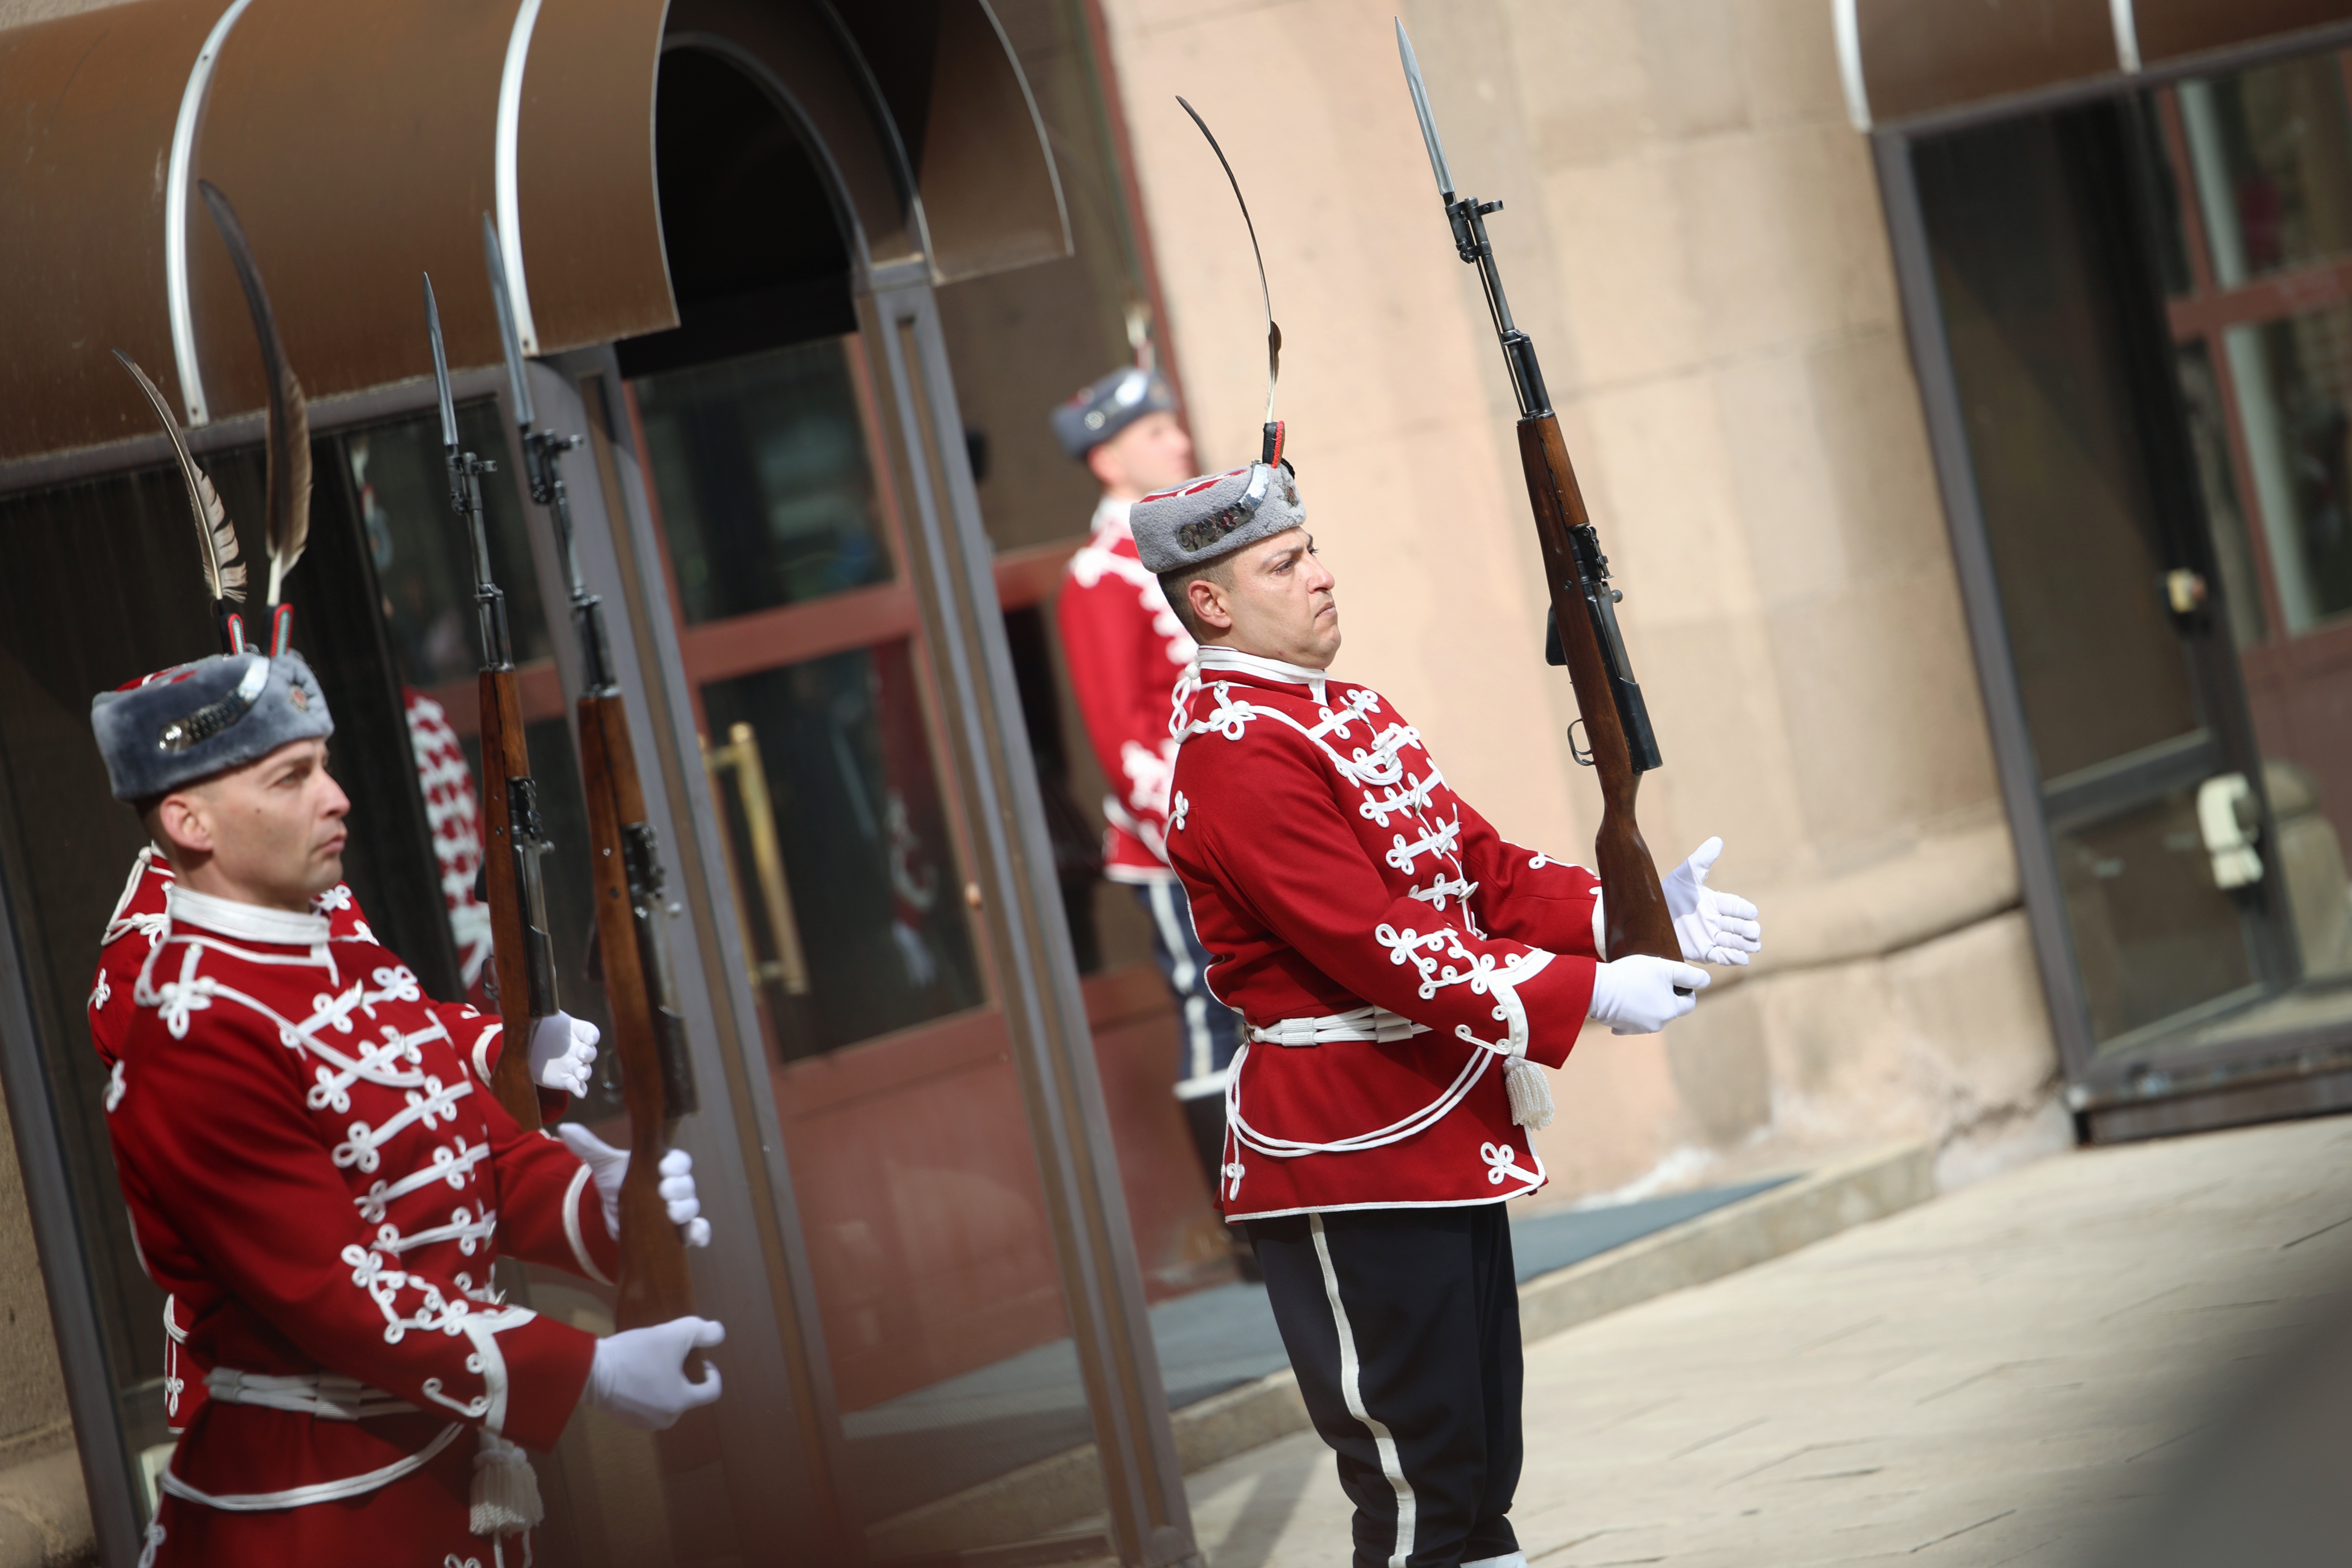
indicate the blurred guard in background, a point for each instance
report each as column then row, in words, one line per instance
column 1126, row 648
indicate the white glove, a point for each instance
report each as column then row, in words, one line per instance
column 1713, row 927
column 562, row 1049
column 1635, row 994
column 608, row 1167
column 639, row 1374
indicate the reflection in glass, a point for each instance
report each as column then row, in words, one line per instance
column 2151, row 939
column 2037, row 338
column 2233, row 553
column 2293, row 379
column 766, row 494
column 876, row 894
column 2157, row 193
column 399, row 482
column 2273, row 154
column 418, row 542
column 2310, row 857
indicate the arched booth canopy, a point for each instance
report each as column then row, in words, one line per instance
column 1915, row 65
column 361, row 143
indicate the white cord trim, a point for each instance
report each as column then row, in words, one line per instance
column 330, row 1396
column 572, row 1227
column 1396, row 1131
column 317, row 1491
column 1355, row 1024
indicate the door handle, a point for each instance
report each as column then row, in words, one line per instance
column 740, row 756
column 2230, row 820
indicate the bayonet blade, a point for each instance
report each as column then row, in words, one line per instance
column 440, row 369
column 1421, row 107
column 509, row 340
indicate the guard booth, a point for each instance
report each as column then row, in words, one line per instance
column 2123, row 234
column 806, row 280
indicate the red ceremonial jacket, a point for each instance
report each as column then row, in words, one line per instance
column 1125, row 649
column 1386, row 947
column 134, row 930
column 315, row 1174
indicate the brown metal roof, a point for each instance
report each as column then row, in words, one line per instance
column 1922, row 61
column 361, row 141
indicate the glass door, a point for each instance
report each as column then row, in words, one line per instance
column 2145, row 307
column 911, row 1159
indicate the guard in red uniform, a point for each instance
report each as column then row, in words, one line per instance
column 317, row 1176
column 1406, row 974
column 1126, row 647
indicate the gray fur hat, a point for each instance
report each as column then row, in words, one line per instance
column 1215, row 515
column 194, row 721
column 1112, row 403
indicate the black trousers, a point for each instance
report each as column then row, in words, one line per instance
column 1404, row 1327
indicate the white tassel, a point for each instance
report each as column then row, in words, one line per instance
column 506, row 1491
column 1530, row 1093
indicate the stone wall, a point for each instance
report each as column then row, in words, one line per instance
column 1692, row 235
column 44, row 1516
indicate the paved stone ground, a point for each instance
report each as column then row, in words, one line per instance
column 1998, row 1377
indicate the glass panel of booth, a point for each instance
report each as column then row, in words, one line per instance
column 104, row 589
column 2120, row 709
column 2179, row 624
column 902, row 1115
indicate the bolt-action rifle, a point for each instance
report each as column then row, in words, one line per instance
column 514, row 838
column 648, row 1035
column 1618, row 745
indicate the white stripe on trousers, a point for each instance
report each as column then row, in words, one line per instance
column 1351, row 1389
column 1176, row 935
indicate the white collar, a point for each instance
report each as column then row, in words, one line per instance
column 1110, row 515
column 248, row 922
column 1215, row 656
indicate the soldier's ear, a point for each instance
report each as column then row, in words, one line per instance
column 1208, row 601
column 181, row 822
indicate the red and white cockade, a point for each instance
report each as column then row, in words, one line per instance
column 1396, row 960
column 1125, row 649
column 317, row 1174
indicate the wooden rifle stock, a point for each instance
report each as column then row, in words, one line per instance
column 1633, row 905
column 505, row 761
column 654, row 1284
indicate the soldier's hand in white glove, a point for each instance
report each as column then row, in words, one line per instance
column 562, row 1050
column 1635, row 994
column 608, row 1167
column 1714, row 927
column 639, row 1374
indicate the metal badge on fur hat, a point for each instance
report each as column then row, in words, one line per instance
column 192, row 721
column 1215, row 515
column 1112, row 403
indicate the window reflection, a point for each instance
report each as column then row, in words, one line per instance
column 766, row 494
column 2273, row 154
column 2150, row 938
column 2233, row 551
column 399, row 475
column 875, row 899
column 2294, row 378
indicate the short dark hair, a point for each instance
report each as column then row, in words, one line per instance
column 1175, row 584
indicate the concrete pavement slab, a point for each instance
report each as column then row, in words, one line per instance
column 1999, row 1376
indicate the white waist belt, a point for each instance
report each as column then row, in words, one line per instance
column 1358, row 1024
column 327, row 1395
